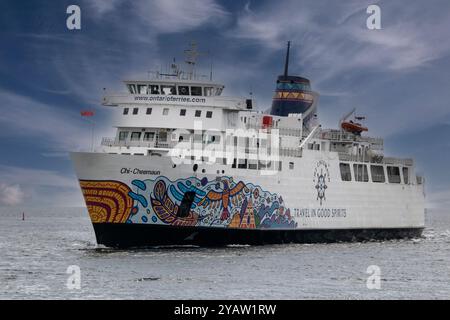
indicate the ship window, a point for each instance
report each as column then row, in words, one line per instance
column 163, row 136
column 149, row 136
column 149, row 110
column 125, row 111
column 196, row 91
column 154, row 89
column 209, row 91
column 262, row 164
column 182, row 112
column 135, row 136
column 280, row 165
column 360, row 171
column 234, row 163
column 253, row 165
column 405, row 175
column 198, row 113
column 132, row 88
column 183, row 90
column 135, row 110
column 165, row 111
column 123, row 135
column 291, row 165
column 198, row 138
column 209, row 114
column 346, row 175
column 377, row 173
column 242, row 164
column 393, row 174
column 219, row 91
column 168, row 90
column 142, row 88
column 220, row 160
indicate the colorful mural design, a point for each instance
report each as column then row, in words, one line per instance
column 107, row 201
column 219, row 203
column 321, row 177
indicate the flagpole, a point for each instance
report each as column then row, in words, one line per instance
column 86, row 114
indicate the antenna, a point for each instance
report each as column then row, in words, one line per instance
column 286, row 64
column 211, row 70
column 191, row 57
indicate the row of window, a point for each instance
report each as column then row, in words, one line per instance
column 246, row 163
column 293, row 86
column 360, row 173
column 165, row 112
column 173, row 90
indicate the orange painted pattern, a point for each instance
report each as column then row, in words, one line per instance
column 107, row 201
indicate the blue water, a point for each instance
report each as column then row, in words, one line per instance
column 36, row 253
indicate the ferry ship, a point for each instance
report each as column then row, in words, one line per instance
column 191, row 166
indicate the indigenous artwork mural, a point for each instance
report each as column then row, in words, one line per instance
column 197, row 202
column 107, row 201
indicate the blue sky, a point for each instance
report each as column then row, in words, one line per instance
column 397, row 76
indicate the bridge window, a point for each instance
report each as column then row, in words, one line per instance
column 135, row 110
column 198, row 113
column 154, row 89
column 168, row 90
column 209, row 114
column 123, row 135
column 149, row 110
column 142, row 88
column 182, row 112
column 405, row 175
column 209, row 91
column 360, row 171
column 149, row 136
column 135, row 136
column 125, row 111
column 183, row 90
column 346, row 174
column 377, row 173
column 393, row 174
column 196, row 91
column 132, row 88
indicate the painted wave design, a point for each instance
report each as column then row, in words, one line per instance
column 219, row 203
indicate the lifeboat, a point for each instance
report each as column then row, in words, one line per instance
column 353, row 127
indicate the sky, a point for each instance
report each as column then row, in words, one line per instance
column 398, row 76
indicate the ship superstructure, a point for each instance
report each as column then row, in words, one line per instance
column 189, row 165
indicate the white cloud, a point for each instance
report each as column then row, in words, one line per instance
column 167, row 16
column 332, row 37
column 59, row 128
column 41, row 187
column 11, row 195
column 104, row 6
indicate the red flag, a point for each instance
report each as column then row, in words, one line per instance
column 87, row 113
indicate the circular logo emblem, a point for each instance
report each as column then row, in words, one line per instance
column 321, row 179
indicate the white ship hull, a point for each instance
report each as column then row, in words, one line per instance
column 137, row 200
